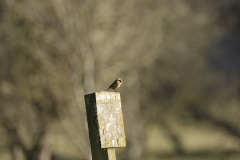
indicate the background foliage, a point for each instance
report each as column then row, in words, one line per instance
column 179, row 61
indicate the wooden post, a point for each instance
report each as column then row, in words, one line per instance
column 105, row 124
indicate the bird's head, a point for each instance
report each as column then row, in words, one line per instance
column 119, row 80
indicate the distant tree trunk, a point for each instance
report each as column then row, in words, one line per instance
column 134, row 117
column 16, row 152
column 88, row 75
column 135, row 138
column 173, row 137
column 46, row 151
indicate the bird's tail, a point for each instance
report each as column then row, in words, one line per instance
column 108, row 89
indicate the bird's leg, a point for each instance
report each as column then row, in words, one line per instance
column 114, row 90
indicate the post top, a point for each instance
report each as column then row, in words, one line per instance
column 103, row 92
column 109, row 119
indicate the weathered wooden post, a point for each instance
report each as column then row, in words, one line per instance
column 105, row 124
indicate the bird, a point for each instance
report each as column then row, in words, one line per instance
column 116, row 84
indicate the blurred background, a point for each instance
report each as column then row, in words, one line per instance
column 179, row 61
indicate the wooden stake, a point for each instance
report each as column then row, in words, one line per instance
column 105, row 124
